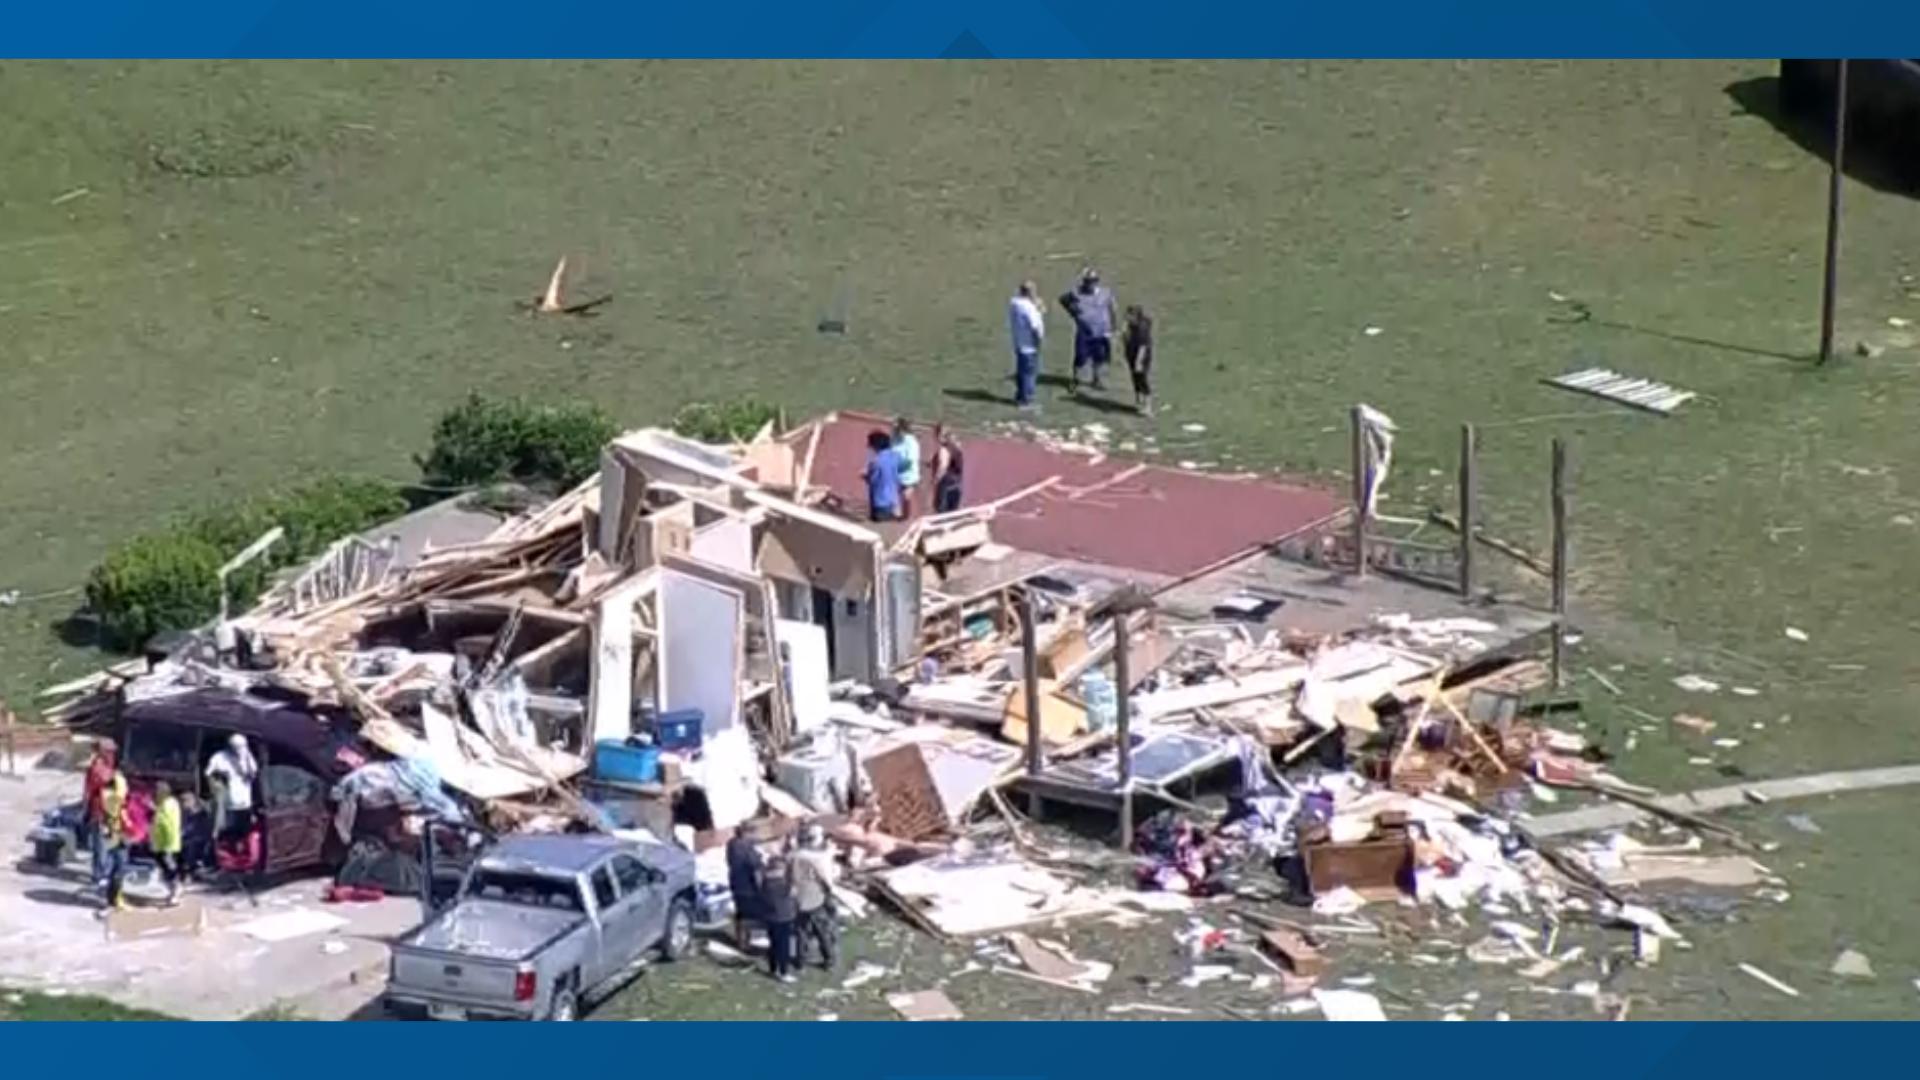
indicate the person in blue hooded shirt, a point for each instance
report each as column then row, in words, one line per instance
column 883, row 478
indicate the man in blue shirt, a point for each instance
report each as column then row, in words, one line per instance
column 1091, row 305
column 883, row 478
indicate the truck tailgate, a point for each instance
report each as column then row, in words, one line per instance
column 453, row 977
column 472, row 952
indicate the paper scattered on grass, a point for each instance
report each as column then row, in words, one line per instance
column 1796, row 633
column 1373, row 331
column 1853, row 964
column 1193, row 428
column 1694, row 684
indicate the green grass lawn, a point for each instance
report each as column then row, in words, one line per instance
column 32, row 1005
column 352, row 266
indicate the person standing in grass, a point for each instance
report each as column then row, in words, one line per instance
column 1028, row 324
column 883, row 478
column 165, row 839
column 782, row 912
column 906, row 446
column 1091, row 305
column 1137, row 342
column 813, row 878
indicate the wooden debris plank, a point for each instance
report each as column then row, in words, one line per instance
column 1646, row 394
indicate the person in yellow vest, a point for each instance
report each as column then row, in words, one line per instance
column 164, row 838
column 113, row 829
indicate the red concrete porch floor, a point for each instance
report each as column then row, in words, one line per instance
column 1109, row 512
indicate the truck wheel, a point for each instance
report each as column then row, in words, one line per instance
column 677, row 940
column 50, row 852
column 565, row 1005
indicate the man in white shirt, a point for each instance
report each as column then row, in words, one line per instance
column 1027, row 321
column 233, row 771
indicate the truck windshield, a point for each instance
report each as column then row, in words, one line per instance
column 527, row 890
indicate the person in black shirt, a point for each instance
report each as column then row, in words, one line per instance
column 949, row 471
column 1137, row 341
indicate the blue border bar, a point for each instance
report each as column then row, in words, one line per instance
column 976, row 28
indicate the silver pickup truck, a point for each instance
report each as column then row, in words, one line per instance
column 542, row 925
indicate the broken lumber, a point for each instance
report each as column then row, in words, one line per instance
column 1512, row 551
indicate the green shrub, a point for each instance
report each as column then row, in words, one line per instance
column 160, row 581
column 733, row 421
column 169, row 579
column 483, row 441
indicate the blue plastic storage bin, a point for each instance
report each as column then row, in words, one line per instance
column 617, row 761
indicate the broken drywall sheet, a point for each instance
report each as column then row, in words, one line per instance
column 727, row 543
column 702, row 627
column 803, row 648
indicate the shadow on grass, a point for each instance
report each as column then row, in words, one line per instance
column 80, row 630
column 1583, row 316
column 1876, row 156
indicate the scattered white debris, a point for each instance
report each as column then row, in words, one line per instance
column 1348, row 1005
column 1746, row 691
column 1726, row 744
column 1205, row 973
column 1803, row 823
column 1148, row 1007
column 1373, row 331
column 1796, row 633
column 862, row 974
column 1193, row 428
column 1898, row 323
column 1694, row 684
column 1853, row 964
column 333, row 948
column 1769, row 980
column 1340, row 901
column 829, row 1017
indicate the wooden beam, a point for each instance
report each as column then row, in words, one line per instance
column 1360, row 455
column 1559, row 496
column 1469, row 509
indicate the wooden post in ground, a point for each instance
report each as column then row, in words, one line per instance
column 1360, row 471
column 1469, row 509
column 1559, row 562
column 1030, row 675
column 1830, row 292
column 1123, row 721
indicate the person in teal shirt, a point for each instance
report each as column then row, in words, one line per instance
column 907, row 447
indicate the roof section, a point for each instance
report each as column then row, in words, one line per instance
column 1103, row 511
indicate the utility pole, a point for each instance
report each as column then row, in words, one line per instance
column 1833, row 212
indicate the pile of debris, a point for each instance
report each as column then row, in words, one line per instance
column 694, row 640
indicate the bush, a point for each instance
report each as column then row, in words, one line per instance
column 734, row 421
column 160, row 581
column 482, row 441
column 169, row 579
